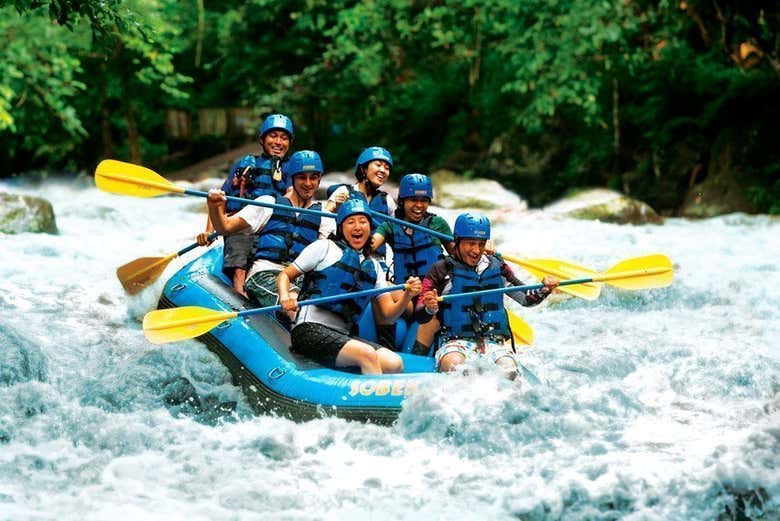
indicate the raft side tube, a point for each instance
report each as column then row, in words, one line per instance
column 256, row 350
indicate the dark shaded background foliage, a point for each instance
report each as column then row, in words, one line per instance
column 648, row 97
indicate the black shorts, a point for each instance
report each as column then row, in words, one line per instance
column 321, row 343
column 238, row 251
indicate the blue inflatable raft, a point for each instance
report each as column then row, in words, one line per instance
column 256, row 350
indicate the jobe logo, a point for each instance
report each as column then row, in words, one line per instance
column 382, row 388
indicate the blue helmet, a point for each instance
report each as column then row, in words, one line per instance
column 304, row 161
column 415, row 185
column 352, row 206
column 370, row 154
column 471, row 226
column 275, row 122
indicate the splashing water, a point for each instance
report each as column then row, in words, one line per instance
column 661, row 404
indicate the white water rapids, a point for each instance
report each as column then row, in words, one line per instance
column 657, row 405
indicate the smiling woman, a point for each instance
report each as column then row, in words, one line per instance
column 332, row 267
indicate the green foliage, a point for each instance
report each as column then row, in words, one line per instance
column 103, row 15
column 54, row 72
column 40, row 80
column 541, row 94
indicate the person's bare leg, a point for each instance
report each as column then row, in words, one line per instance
column 360, row 354
column 508, row 367
column 425, row 335
column 239, row 278
column 450, row 362
column 390, row 361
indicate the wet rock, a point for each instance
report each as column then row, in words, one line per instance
column 724, row 190
column 604, row 205
column 24, row 213
column 181, row 397
column 717, row 195
column 454, row 191
column 214, row 411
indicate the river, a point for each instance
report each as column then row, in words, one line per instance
column 655, row 405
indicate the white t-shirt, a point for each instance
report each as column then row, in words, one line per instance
column 316, row 257
column 258, row 216
column 391, row 204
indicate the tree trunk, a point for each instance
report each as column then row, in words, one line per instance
column 105, row 115
column 132, row 129
column 616, row 132
column 201, row 31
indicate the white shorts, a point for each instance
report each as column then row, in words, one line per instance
column 471, row 350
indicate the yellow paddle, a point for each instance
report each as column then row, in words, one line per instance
column 118, row 177
column 650, row 271
column 564, row 271
column 123, row 178
column 521, row 331
column 138, row 274
column 171, row 325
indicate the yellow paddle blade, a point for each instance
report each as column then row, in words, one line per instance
column 140, row 273
column 521, row 331
column 123, row 178
column 563, row 270
column 171, row 325
column 650, row 271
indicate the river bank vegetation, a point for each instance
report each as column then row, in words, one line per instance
column 672, row 102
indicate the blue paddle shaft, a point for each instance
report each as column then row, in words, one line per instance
column 434, row 233
column 195, row 244
column 376, row 215
column 253, row 202
column 510, row 289
column 325, row 300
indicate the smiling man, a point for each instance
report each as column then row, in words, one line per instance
column 280, row 235
column 251, row 177
column 473, row 327
column 414, row 251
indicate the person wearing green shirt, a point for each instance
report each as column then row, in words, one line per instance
column 414, row 251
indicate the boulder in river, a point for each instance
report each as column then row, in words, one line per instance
column 453, row 191
column 724, row 189
column 604, row 205
column 24, row 213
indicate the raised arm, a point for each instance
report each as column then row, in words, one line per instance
column 531, row 297
column 391, row 309
column 223, row 223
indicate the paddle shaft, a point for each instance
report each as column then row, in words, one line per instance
column 281, row 207
column 374, row 214
column 325, row 300
column 227, row 315
column 528, row 287
column 195, row 244
column 166, row 186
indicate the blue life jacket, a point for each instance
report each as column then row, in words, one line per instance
column 478, row 317
column 285, row 235
column 413, row 255
column 347, row 275
column 257, row 180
